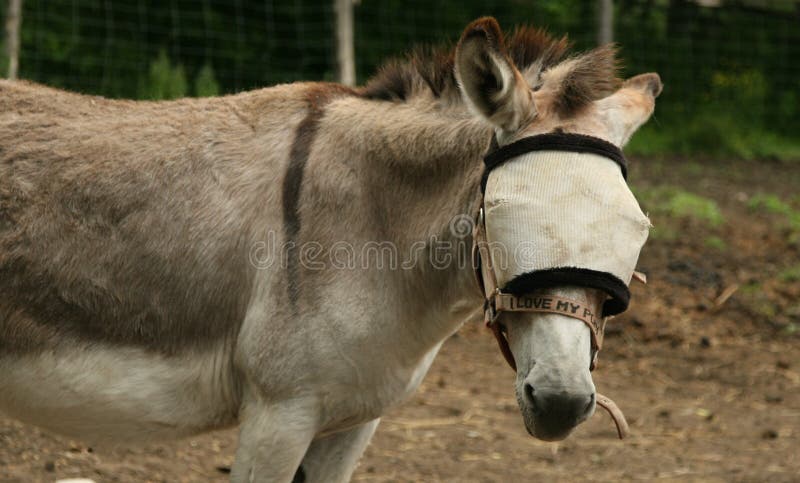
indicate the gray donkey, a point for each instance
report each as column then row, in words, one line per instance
column 291, row 259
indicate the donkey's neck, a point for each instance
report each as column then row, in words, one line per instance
column 419, row 166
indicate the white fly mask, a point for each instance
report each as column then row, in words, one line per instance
column 557, row 212
column 557, row 216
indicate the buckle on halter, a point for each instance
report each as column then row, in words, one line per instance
column 490, row 312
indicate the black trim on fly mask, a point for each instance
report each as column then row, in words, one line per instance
column 575, row 276
column 554, row 141
column 615, row 288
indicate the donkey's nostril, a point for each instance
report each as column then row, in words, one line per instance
column 561, row 408
column 531, row 399
column 589, row 404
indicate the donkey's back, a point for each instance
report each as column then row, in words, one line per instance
column 124, row 230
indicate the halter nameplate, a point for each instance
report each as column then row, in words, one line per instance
column 549, row 304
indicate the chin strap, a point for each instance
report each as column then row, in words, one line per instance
column 615, row 412
column 496, row 302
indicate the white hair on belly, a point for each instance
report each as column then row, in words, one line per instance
column 98, row 393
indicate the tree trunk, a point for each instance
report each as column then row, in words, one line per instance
column 13, row 21
column 605, row 22
column 345, row 50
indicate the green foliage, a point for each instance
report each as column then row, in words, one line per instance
column 752, row 289
column 770, row 204
column 717, row 135
column 205, row 84
column 721, row 97
column 685, row 204
column 677, row 203
column 106, row 48
column 791, row 274
column 716, row 243
column 773, row 205
column 661, row 232
column 164, row 80
column 3, row 59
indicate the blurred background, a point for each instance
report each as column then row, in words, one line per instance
column 730, row 68
column 705, row 363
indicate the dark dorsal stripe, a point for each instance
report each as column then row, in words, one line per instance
column 555, row 141
column 317, row 97
column 292, row 184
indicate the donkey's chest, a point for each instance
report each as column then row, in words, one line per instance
column 363, row 394
column 367, row 365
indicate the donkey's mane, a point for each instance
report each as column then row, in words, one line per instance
column 577, row 80
column 429, row 66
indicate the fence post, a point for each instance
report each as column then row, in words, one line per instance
column 345, row 49
column 605, row 22
column 13, row 20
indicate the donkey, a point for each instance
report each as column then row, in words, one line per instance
column 170, row 268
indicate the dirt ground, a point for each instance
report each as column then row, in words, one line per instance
column 705, row 364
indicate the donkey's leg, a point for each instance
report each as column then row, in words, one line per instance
column 272, row 440
column 334, row 457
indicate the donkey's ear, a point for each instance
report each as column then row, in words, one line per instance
column 650, row 83
column 579, row 81
column 490, row 83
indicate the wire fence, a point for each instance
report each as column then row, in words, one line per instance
column 739, row 58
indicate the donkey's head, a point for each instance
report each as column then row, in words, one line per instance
column 560, row 220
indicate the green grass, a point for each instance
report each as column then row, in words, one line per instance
column 791, row 274
column 753, row 295
column 773, row 205
column 677, row 203
column 715, row 243
column 713, row 135
column 663, row 233
column 751, row 288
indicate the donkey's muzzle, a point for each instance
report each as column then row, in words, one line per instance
column 554, row 413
